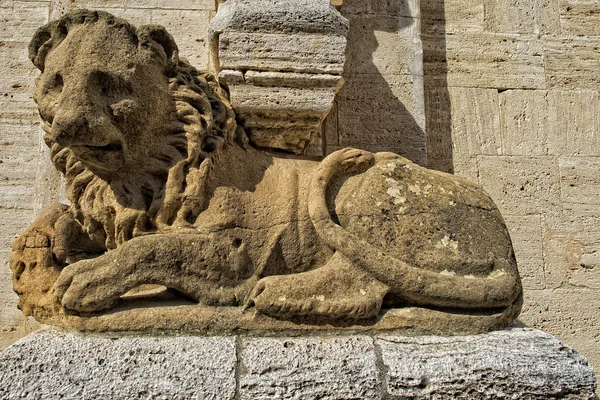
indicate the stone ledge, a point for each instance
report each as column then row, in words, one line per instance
column 513, row 363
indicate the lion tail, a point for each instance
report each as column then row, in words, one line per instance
column 500, row 290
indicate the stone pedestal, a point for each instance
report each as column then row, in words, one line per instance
column 510, row 364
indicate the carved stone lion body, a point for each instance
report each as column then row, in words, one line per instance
column 165, row 189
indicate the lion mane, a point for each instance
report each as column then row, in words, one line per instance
column 171, row 198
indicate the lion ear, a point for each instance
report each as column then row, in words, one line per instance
column 157, row 39
column 43, row 41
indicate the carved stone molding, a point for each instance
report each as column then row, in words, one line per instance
column 283, row 64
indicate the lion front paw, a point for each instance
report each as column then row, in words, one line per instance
column 84, row 287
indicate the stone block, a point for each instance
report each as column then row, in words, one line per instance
column 572, row 315
column 312, row 53
column 580, row 181
column 23, row 115
column 571, row 62
column 307, row 102
column 522, row 16
column 526, row 235
column 573, row 127
column 495, row 61
column 189, row 28
column 20, row 19
column 580, row 17
column 475, row 121
column 521, row 185
column 512, row 363
column 309, row 368
column 283, row 64
column 300, row 16
column 555, row 122
column 123, row 367
column 526, row 128
column 571, row 251
column 515, row 363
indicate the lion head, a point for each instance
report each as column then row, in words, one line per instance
column 134, row 128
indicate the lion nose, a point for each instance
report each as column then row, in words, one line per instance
column 68, row 127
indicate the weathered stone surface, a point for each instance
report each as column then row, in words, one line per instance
column 20, row 19
column 439, row 17
column 384, row 55
column 475, row 121
column 571, row 251
column 495, row 61
column 69, row 366
column 514, row 16
column 574, row 123
column 517, row 363
column 580, row 181
column 302, row 16
column 571, row 62
column 268, row 51
column 526, row 128
column 184, row 4
column 555, row 122
column 513, row 363
column 526, row 235
column 254, row 100
column 521, row 185
column 309, row 368
column 579, row 17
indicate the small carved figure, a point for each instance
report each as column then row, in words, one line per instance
column 166, row 189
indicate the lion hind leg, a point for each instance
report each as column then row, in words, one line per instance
column 336, row 290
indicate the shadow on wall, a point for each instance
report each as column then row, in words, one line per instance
column 437, row 98
column 374, row 109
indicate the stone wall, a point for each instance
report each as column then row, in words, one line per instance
column 508, row 91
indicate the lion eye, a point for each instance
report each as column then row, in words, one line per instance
column 55, row 82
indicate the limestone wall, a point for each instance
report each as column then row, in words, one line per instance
column 508, row 91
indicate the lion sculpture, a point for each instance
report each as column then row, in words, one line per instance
column 165, row 189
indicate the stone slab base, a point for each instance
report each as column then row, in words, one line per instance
column 517, row 363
